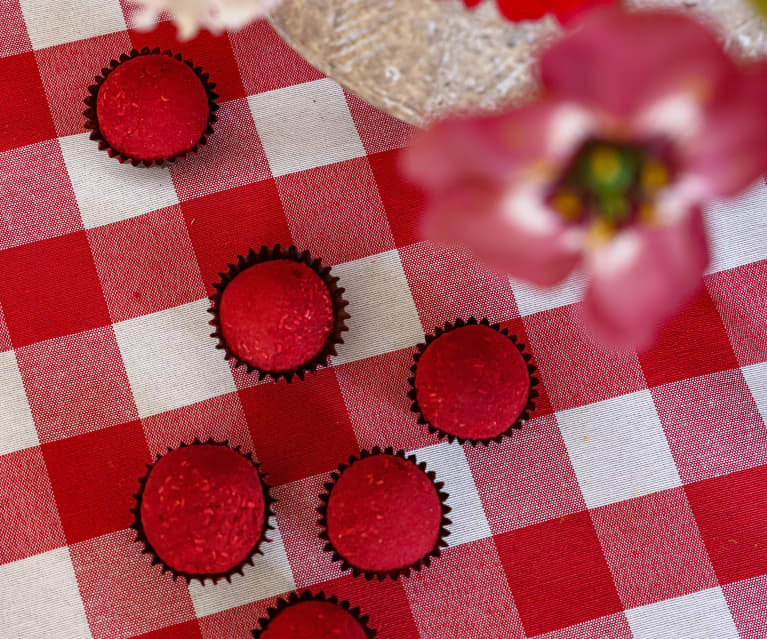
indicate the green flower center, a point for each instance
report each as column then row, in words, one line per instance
column 609, row 185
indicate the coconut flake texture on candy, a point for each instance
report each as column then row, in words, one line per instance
column 643, row 118
column 190, row 16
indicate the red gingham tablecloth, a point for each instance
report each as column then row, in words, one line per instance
column 634, row 504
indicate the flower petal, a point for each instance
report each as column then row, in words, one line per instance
column 618, row 61
column 527, row 244
column 494, row 147
column 731, row 152
column 626, row 303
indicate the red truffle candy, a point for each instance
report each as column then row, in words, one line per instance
column 203, row 509
column 314, row 620
column 472, row 382
column 276, row 315
column 384, row 514
column 152, row 108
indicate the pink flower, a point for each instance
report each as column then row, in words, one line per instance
column 643, row 118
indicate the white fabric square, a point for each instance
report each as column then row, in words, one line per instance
column 269, row 576
column 108, row 191
column 39, row 597
column 701, row 615
column 383, row 314
column 304, row 126
column 16, row 424
column 618, row 449
column 737, row 229
column 171, row 359
column 50, row 23
column 449, row 463
column 532, row 299
column 756, row 378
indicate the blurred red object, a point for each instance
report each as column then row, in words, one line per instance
column 565, row 10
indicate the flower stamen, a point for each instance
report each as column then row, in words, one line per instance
column 609, row 185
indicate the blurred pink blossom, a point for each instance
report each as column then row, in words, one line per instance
column 643, row 118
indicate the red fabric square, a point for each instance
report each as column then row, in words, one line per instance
column 740, row 296
column 378, row 131
column 447, row 283
column 266, row 61
column 731, row 512
column 575, row 368
column 33, row 183
column 14, row 38
column 213, row 53
column 337, row 224
column 68, row 69
column 296, row 510
column 26, row 118
column 227, row 224
column 76, row 384
column 235, row 623
column 614, row 626
column 299, row 429
column 146, row 264
column 123, row 594
column 375, row 391
column 220, row 417
column 50, row 288
column 235, row 138
column 384, row 601
column 557, row 573
column 187, row 630
column 95, row 476
column 693, row 343
column 29, row 519
column 404, row 202
column 527, row 479
column 653, row 547
column 712, row 425
column 482, row 606
column 746, row 600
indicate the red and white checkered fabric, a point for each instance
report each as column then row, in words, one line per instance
column 633, row 505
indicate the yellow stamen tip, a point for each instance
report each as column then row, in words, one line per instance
column 567, row 204
column 601, row 231
column 654, row 176
column 605, row 162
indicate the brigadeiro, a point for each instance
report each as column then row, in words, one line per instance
column 278, row 312
column 384, row 515
column 203, row 511
column 313, row 616
column 473, row 382
column 151, row 107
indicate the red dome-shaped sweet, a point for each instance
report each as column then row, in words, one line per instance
column 472, row 382
column 203, row 509
column 384, row 514
column 276, row 315
column 152, row 107
column 313, row 620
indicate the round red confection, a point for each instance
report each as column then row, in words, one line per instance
column 152, row 107
column 203, row 509
column 314, row 620
column 276, row 315
column 384, row 514
column 472, row 382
